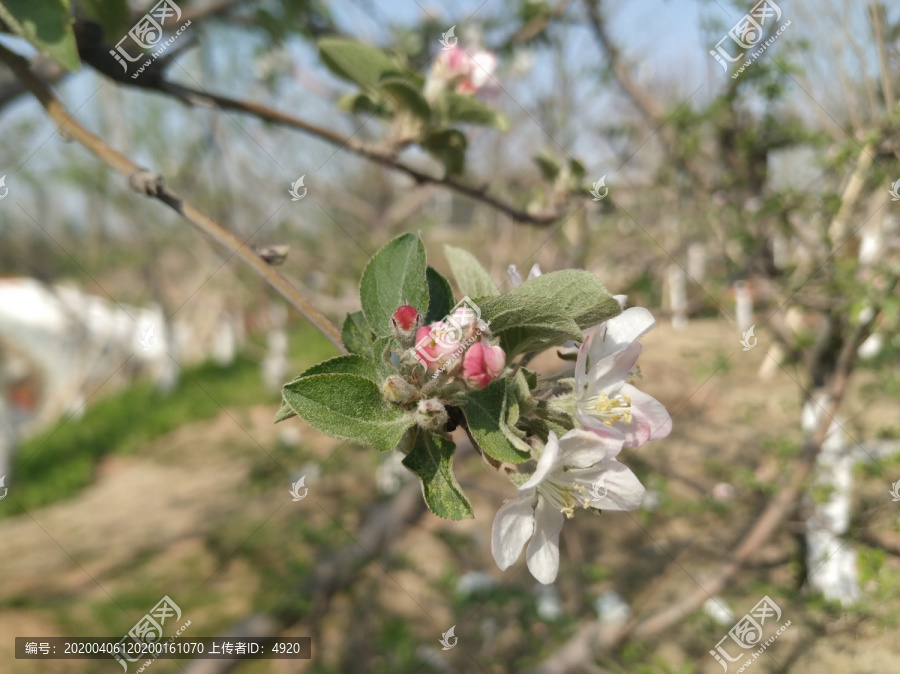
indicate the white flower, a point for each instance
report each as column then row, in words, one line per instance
column 605, row 403
column 515, row 278
column 562, row 481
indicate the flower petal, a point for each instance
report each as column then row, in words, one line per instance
column 546, row 464
column 620, row 488
column 583, row 448
column 543, row 551
column 515, row 278
column 513, row 526
column 607, row 373
column 620, row 331
column 651, row 420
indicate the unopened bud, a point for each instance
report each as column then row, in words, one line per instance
column 482, row 364
column 404, row 323
column 397, row 390
column 432, row 415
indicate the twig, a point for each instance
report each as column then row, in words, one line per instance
column 376, row 155
column 152, row 185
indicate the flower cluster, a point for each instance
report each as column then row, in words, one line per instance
column 611, row 414
column 422, row 366
column 455, row 69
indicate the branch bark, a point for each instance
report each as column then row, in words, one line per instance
column 152, row 185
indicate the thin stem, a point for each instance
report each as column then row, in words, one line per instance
column 152, row 185
column 374, row 154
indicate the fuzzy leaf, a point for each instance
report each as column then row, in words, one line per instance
column 440, row 296
column 357, row 335
column 47, row 25
column 349, row 407
column 396, row 274
column 486, row 412
column 575, row 292
column 469, row 110
column 548, row 310
column 352, row 364
column 548, row 165
column 525, row 326
column 284, row 413
column 401, row 88
column 449, row 147
column 432, row 460
column 355, row 61
column 472, row 279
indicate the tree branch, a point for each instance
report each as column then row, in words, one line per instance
column 152, row 185
column 374, row 154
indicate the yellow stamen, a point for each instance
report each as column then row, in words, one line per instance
column 610, row 410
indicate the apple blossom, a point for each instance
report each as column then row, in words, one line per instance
column 562, row 481
column 454, row 68
column 515, row 278
column 605, row 402
column 482, row 364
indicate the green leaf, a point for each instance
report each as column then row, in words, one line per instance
column 355, row 61
column 352, row 364
column 466, row 109
column 486, row 412
column 449, row 147
column 440, row 296
column 404, row 92
column 576, row 171
column 47, row 25
column 432, row 460
column 284, row 413
column 360, row 103
column 548, row 165
column 395, row 275
column 348, row 407
column 472, row 279
column 526, row 326
column 357, row 336
column 548, row 310
column 578, row 293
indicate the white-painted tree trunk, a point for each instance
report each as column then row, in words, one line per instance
column 830, row 559
column 678, row 297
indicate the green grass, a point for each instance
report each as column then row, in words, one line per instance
column 60, row 461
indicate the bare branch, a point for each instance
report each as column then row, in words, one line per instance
column 152, row 185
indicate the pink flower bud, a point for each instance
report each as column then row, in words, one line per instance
column 482, row 364
column 406, row 317
column 404, row 323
